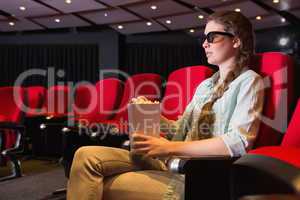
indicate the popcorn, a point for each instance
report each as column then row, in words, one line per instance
column 142, row 100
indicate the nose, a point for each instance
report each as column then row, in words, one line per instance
column 205, row 44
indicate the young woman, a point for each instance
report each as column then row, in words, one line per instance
column 221, row 119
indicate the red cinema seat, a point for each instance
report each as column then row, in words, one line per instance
column 11, row 127
column 99, row 102
column 36, row 96
column 146, row 84
column 58, row 101
column 180, row 88
column 271, row 169
column 278, row 72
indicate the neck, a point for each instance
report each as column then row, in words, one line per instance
column 226, row 67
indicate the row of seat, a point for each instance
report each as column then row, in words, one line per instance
column 103, row 97
column 277, row 70
column 271, row 169
column 106, row 101
column 215, row 172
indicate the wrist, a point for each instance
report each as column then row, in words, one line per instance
column 173, row 148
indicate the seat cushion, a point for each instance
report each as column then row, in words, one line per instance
column 285, row 154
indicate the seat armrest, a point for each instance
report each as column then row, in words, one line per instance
column 11, row 152
column 208, row 177
column 270, row 175
column 185, row 165
column 272, row 197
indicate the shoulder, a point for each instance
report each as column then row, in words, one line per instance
column 249, row 77
column 206, row 84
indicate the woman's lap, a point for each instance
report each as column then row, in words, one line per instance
column 146, row 185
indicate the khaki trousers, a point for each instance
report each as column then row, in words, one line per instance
column 113, row 174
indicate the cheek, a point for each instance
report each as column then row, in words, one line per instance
column 221, row 52
column 224, row 50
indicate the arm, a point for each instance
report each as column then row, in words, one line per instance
column 244, row 123
column 243, row 127
column 160, row 147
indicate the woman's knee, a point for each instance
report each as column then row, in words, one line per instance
column 100, row 154
column 87, row 154
column 105, row 160
column 83, row 152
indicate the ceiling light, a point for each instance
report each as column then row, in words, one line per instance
column 200, row 16
column 275, row 1
column 153, row 7
column 258, row 17
column 120, row 27
column 192, row 30
column 11, row 23
column 168, row 21
column 283, row 20
column 68, row 1
column 105, row 14
column 149, row 23
column 22, row 8
column 237, row 10
column 57, row 20
column 283, row 41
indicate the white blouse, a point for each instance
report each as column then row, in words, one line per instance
column 237, row 112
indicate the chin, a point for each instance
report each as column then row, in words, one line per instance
column 212, row 61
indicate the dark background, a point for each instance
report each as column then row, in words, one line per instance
column 82, row 53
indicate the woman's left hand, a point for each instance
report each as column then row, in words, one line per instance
column 151, row 146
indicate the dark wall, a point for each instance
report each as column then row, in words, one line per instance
column 80, row 53
column 48, row 64
column 155, row 52
column 107, row 40
column 268, row 40
column 161, row 53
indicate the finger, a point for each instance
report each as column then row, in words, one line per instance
column 139, row 137
column 136, row 145
column 152, row 154
column 140, row 151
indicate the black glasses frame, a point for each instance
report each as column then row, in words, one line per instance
column 211, row 35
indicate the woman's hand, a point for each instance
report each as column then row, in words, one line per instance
column 151, row 146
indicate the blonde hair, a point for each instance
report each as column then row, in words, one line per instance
column 240, row 27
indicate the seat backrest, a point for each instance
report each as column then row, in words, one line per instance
column 180, row 88
column 12, row 100
column 58, row 100
column 84, row 94
column 146, row 84
column 35, row 100
column 292, row 136
column 277, row 70
column 99, row 102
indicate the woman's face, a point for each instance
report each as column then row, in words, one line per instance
column 220, row 47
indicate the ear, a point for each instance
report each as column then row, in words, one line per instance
column 236, row 43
